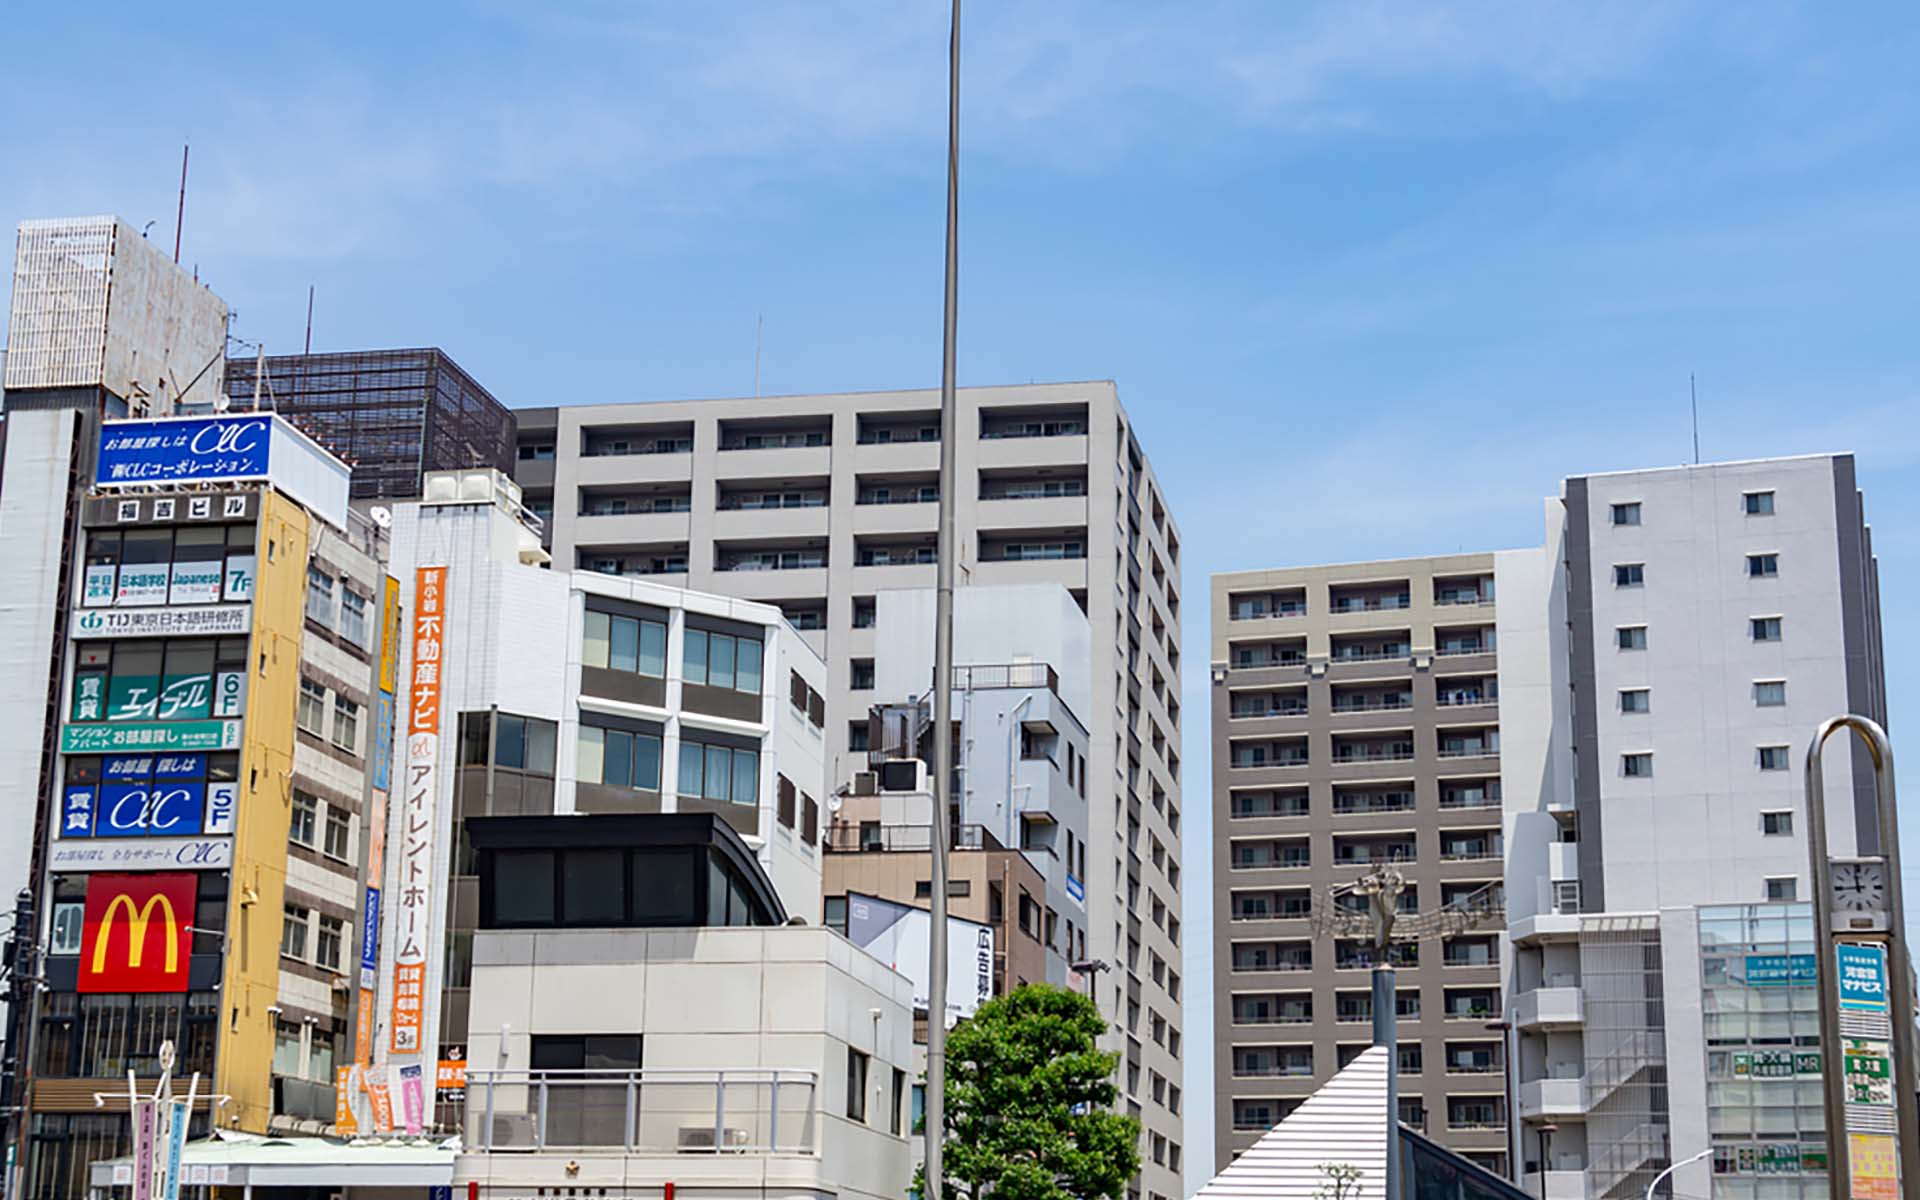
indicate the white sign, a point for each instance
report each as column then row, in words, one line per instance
column 195, row 583
column 142, row 583
column 223, row 800
column 206, row 620
column 229, row 693
column 897, row 935
column 239, row 582
column 141, row 854
column 98, row 590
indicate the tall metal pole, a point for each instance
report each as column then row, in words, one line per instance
column 1386, row 1015
column 945, row 552
column 1899, row 961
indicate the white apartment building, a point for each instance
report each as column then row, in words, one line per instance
column 1670, row 653
column 817, row 504
column 552, row 693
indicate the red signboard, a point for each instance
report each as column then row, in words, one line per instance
column 136, row 936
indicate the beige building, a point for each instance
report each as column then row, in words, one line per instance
column 819, row 503
column 1356, row 722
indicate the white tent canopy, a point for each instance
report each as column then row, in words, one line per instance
column 1345, row 1122
column 246, row 1161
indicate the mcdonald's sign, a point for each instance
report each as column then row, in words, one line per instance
column 136, row 935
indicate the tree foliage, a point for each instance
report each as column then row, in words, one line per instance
column 1029, row 1096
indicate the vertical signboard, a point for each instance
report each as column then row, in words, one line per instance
column 411, row 900
column 1870, row 1076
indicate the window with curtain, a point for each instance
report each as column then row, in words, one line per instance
column 719, row 772
column 617, row 758
column 723, row 660
column 631, row 644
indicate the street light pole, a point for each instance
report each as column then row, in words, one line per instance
column 1658, row 1179
column 944, row 554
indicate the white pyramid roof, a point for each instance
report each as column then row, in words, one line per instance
column 1344, row 1122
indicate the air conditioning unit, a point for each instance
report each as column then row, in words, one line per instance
column 694, row 1139
column 866, row 783
column 903, row 775
column 513, row 1131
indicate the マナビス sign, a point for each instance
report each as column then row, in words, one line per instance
column 1862, row 972
column 1781, row 970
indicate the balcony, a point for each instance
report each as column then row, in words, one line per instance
column 651, row 1111
column 1369, row 752
column 1366, row 652
column 1366, row 854
column 1479, row 848
column 1540, row 1098
column 1262, row 606
column 1548, row 1009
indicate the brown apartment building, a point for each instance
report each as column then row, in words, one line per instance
column 1356, row 721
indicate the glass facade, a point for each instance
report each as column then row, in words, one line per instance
column 1760, row 1005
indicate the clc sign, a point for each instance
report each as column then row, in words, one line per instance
column 234, row 446
column 136, row 936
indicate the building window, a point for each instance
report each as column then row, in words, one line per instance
column 306, row 817
column 1629, row 574
column 1758, row 504
column 1774, row 758
column 346, row 723
column 353, row 617
column 864, row 612
column 1777, row 824
column 896, row 1109
column 723, row 661
column 311, row 713
column 338, row 834
column 719, row 772
column 860, row 674
column 1627, row 514
column 1764, row 629
column 625, row 644
column 1763, row 566
column 1769, row 693
column 1636, row 766
column 319, row 596
column 856, row 1086
column 326, row 945
column 859, row 737
column 1631, row 637
column 1633, row 700
column 616, row 758
column 1784, row 887
column 293, row 932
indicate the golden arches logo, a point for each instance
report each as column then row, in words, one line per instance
column 138, row 920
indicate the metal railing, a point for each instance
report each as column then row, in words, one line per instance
column 1007, row 675
column 894, row 839
column 1371, row 653
column 651, row 1111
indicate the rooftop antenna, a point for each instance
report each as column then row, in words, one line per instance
column 180, row 216
column 1693, row 398
column 309, row 346
column 259, row 373
column 759, row 323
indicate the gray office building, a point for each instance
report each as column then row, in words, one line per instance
column 1356, row 722
column 819, row 503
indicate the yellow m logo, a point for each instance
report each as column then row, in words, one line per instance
column 138, row 920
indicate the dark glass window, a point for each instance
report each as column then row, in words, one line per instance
column 593, row 888
column 523, row 887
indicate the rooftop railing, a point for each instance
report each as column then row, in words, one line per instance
column 651, row 1111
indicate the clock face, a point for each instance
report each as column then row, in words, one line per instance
column 1859, row 887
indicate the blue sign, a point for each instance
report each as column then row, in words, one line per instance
column 126, row 766
column 1862, row 970
column 144, row 810
column 234, row 446
column 370, row 930
column 1781, row 970
column 382, row 741
column 1076, row 889
column 76, row 812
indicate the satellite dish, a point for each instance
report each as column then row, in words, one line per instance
column 222, row 402
column 834, row 803
column 381, row 515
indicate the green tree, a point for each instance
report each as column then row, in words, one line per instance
column 1028, row 1103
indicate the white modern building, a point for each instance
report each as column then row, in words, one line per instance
column 525, row 691
column 1687, row 628
column 645, row 1019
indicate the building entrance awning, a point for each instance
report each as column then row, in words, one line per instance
column 247, row 1161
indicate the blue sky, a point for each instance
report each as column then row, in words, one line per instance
column 1421, row 260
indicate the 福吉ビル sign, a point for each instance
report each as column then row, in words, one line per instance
column 185, row 448
column 411, row 894
column 135, row 934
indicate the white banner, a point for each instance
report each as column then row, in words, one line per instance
column 141, row 854
column 897, row 935
column 195, row 583
column 206, row 620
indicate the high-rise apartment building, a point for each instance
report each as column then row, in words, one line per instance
column 818, row 503
column 1691, row 627
column 1357, row 717
column 393, row 415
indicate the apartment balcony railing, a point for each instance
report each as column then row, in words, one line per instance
column 1373, row 704
column 1276, row 710
column 1261, row 614
column 1362, row 805
column 1353, row 604
column 1469, row 853
column 1371, row 654
column 1463, row 648
column 1478, row 751
column 1373, row 856
column 1278, row 964
column 784, row 563
column 1007, row 675
column 1458, row 601
column 1348, row 754
column 1250, row 763
column 1282, row 1018
column 1283, row 659
column 1469, row 800
column 651, row 1111
column 1464, row 699
column 1280, row 1071
column 904, row 839
column 1280, row 863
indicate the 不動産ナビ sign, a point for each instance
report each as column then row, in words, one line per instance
column 411, row 895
